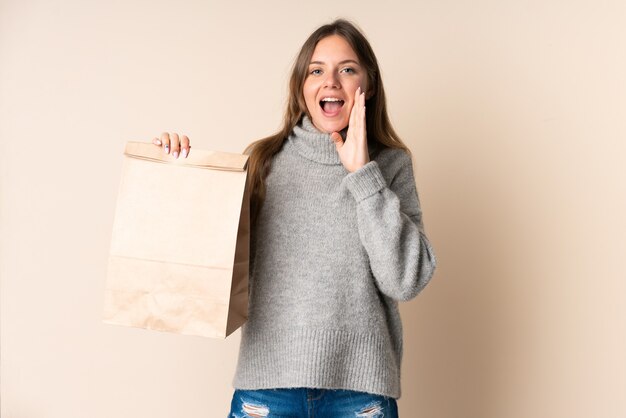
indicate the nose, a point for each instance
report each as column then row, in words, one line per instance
column 331, row 80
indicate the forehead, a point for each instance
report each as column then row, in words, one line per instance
column 333, row 48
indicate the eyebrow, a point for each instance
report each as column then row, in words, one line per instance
column 342, row 62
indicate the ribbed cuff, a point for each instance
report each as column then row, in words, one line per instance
column 365, row 181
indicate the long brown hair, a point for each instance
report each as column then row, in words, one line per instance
column 380, row 133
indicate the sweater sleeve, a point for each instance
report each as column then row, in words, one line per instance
column 390, row 226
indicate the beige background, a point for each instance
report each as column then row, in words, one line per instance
column 515, row 111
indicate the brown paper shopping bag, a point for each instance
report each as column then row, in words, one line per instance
column 178, row 260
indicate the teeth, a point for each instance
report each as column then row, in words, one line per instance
column 331, row 99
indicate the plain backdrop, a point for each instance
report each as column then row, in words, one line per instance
column 515, row 114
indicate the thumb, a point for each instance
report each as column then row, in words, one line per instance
column 337, row 139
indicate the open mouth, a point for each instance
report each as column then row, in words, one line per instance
column 331, row 108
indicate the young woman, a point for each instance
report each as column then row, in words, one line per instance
column 337, row 241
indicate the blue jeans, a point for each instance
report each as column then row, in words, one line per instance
column 310, row 403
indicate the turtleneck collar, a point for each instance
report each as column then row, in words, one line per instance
column 314, row 144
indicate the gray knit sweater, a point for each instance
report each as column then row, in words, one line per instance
column 330, row 257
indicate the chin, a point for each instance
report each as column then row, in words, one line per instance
column 330, row 126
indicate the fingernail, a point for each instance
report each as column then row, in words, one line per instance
column 167, row 149
column 158, row 141
column 175, row 154
column 185, row 152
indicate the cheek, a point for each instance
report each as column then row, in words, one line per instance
column 351, row 91
column 309, row 94
column 362, row 82
column 309, row 103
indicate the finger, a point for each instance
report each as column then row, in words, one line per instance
column 363, row 120
column 337, row 139
column 184, row 145
column 156, row 141
column 165, row 139
column 360, row 115
column 175, row 145
column 354, row 108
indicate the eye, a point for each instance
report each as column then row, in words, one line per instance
column 349, row 69
column 314, row 71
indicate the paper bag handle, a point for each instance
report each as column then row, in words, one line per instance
column 218, row 160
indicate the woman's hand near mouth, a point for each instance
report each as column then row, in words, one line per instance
column 353, row 153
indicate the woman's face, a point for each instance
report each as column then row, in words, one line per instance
column 334, row 72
